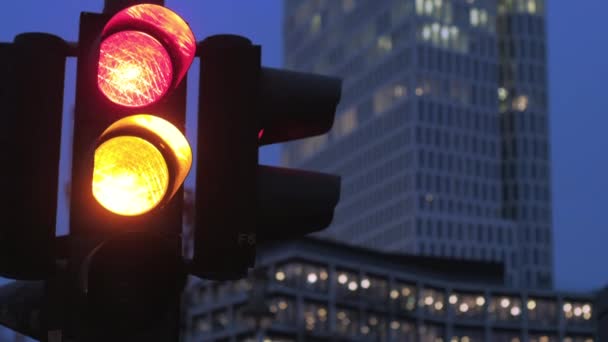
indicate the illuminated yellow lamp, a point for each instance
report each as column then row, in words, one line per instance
column 131, row 176
column 531, row 304
column 480, row 301
column 139, row 164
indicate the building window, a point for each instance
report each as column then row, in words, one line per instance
column 345, row 123
column 577, row 313
column 316, row 317
column 403, row 295
column 347, row 322
column 315, row 23
column 505, row 308
column 542, row 311
column 432, row 302
column 467, row 306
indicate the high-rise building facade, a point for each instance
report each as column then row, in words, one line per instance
column 441, row 136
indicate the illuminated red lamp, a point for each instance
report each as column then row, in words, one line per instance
column 145, row 52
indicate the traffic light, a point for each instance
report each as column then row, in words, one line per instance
column 130, row 159
column 32, row 72
column 238, row 202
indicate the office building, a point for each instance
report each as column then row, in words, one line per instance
column 325, row 291
column 441, row 136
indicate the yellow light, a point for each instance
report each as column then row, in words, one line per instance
column 130, row 175
column 280, row 276
column 142, row 160
column 480, row 301
column 531, row 304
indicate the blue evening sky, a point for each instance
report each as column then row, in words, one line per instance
column 578, row 70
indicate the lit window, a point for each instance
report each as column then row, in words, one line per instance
column 346, row 123
column 394, row 294
column 483, row 17
column 474, row 17
column 399, row 91
column 532, row 6
column 312, row 278
column 445, row 33
column 419, row 7
column 315, row 23
column 502, row 94
column 426, row 33
column 385, row 43
column 520, row 103
column 353, row 286
column 428, row 7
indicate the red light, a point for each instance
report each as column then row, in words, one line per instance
column 134, row 69
column 260, row 134
column 163, row 24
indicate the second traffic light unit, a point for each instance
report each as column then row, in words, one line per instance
column 239, row 203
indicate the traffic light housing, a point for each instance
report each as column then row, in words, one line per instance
column 120, row 269
column 238, row 202
column 130, row 158
column 32, row 72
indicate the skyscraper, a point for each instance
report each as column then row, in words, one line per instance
column 442, row 132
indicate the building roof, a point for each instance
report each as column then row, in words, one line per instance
column 449, row 269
